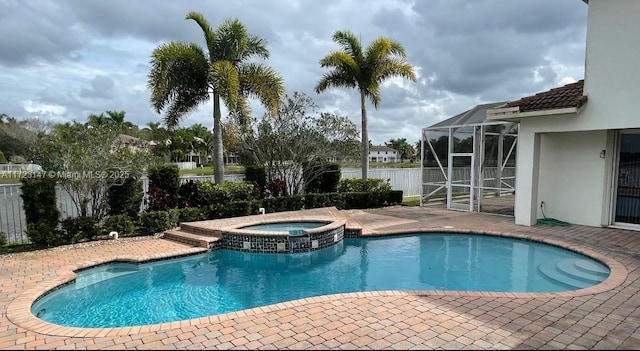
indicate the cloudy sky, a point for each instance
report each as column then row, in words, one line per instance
column 65, row 59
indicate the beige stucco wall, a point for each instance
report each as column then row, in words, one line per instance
column 572, row 176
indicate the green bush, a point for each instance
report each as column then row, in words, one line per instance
column 126, row 198
column 3, row 240
column 237, row 191
column 39, row 201
column 79, row 228
column 283, row 203
column 167, row 178
column 394, row 197
column 2, row 158
column 360, row 200
column 210, row 194
column 192, row 214
column 43, row 235
column 122, row 224
column 158, row 221
column 321, row 178
column 324, row 200
column 256, row 174
column 359, row 185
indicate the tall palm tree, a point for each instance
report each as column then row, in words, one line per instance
column 182, row 76
column 352, row 68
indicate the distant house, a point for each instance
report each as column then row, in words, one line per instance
column 133, row 143
column 579, row 145
column 381, row 153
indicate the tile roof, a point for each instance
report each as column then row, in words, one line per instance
column 570, row 95
column 381, row 148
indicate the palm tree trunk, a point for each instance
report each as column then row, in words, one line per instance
column 218, row 163
column 365, row 139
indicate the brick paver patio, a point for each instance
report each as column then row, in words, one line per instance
column 603, row 317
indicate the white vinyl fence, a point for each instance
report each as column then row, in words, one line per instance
column 13, row 223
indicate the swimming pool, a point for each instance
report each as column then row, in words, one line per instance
column 125, row 294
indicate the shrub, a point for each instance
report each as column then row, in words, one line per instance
column 159, row 200
column 43, row 235
column 188, row 193
column 324, row 200
column 2, row 158
column 237, row 191
column 256, row 174
column 358, row 200
column 159, row 221
column 359, row 185
column 277, row 188
column 283, row 203
column 209, row 194
column 125, row 199
column 322, row 178
column 78, row 228
column 122, row 224
column 39, row 201
column 192, row 214
column 167, row 178
column 394, row 197
column 3, row 240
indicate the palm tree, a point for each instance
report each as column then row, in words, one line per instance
column 182, row 76
column 353, row 68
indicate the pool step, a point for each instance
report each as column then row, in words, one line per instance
column 190, row 238
column 575, row 273
column 592, row 267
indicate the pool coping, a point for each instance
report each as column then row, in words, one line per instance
column 19, row 310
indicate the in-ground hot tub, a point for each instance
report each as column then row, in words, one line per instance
column 283, row 236
column 294, row 228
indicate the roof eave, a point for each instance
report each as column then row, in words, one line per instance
column 512, row 114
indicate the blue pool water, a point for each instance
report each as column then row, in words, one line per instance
column 125, row 294
column 294, row 228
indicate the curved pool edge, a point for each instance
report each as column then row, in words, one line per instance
column 19, row 310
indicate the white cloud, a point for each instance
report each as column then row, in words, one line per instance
column 66, row 59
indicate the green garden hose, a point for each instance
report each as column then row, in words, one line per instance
column 550, row 221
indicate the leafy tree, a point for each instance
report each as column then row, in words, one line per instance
column 90, row 161
column 22, row 137
column 364, row 70
column 115, row 120
column 158, row 138
column 402, row 146
column 295, row 141
column 183, row 75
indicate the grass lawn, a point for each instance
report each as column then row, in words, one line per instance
column 411, row 201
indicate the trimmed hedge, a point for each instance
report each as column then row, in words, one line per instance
column 78, row 228
column 159, row 221
column 359, row 185
column 126, row 198
column 122, row 224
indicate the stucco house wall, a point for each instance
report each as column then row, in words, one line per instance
column 560, row 155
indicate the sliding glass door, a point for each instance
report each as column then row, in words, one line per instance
column 627, row 202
